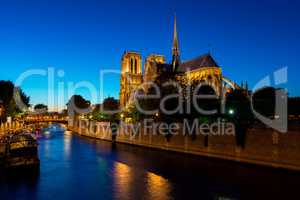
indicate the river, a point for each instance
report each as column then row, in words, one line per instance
column 74, row 167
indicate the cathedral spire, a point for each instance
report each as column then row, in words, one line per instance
column 175, row 48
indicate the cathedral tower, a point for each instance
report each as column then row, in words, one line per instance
column 131, row 76
column 151, row 67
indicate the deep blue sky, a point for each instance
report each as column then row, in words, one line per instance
column 250, row 39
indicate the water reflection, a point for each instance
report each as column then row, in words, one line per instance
column 74, row 167
column 123, row 177
column 135, row 183
column 46, row 148
column 158, row 187
column 67, row 144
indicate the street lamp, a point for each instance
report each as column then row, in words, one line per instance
column 231, row 112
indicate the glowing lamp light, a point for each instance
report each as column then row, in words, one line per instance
column 231, row 111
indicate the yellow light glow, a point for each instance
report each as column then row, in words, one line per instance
column 158, row 187
column 123, row 176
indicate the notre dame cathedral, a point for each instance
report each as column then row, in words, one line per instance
column 202, row 68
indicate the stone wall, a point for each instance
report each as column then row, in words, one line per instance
column 263, row 146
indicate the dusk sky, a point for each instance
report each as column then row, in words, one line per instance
column 248, row 39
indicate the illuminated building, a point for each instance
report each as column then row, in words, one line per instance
column 202, row 68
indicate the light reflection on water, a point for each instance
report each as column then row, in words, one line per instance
column 153, row 186
column 158, row 187
column 123, row 177
column 67, row 144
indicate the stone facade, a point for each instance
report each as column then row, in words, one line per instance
column 151, row 67
column 202, row 68
column 210, row 75
column 131, row 76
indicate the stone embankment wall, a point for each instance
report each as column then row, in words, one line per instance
column 263, row 146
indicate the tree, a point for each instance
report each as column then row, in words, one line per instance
column 110, row 104
column 165, row 82
column 294, row 106
column 110, row 108
column 133, row 113
column 201, row 104
column 238, row 107
column 7, row 89
column 107, row 111
column 78, row 105
column 97, row 113
column 40, row 108
column 264, row 101
column 77, row 101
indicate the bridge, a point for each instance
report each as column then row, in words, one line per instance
column 30, row 123
column 31, row 119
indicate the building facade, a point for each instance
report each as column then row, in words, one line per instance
column 202, row 68
column 131, row 76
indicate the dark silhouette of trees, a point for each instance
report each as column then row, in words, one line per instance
column 238, row 108
column 41, row 108
column 110, row 104
column 97, row 113
column 107, row 111
column 111, row 110
column 264, row 101
column 78, row 105
column 294, row 106
column 11, row 108
column 79, row 102
column 205, row 104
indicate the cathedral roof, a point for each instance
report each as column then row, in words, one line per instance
column 205, row 60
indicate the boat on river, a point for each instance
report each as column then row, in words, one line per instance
column 21, row 151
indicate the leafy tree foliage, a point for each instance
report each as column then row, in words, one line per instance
column 110, row 108
column 8, row 101
column 239, row 103
column 107, row 111
column 134, row 113
column 264, row 101
column 181, row 102
column 41, row 108
column 78, row 105
column 98, row 115
column 110, row 104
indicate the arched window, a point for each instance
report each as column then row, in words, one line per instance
column 131, row 65
column 135, row 66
